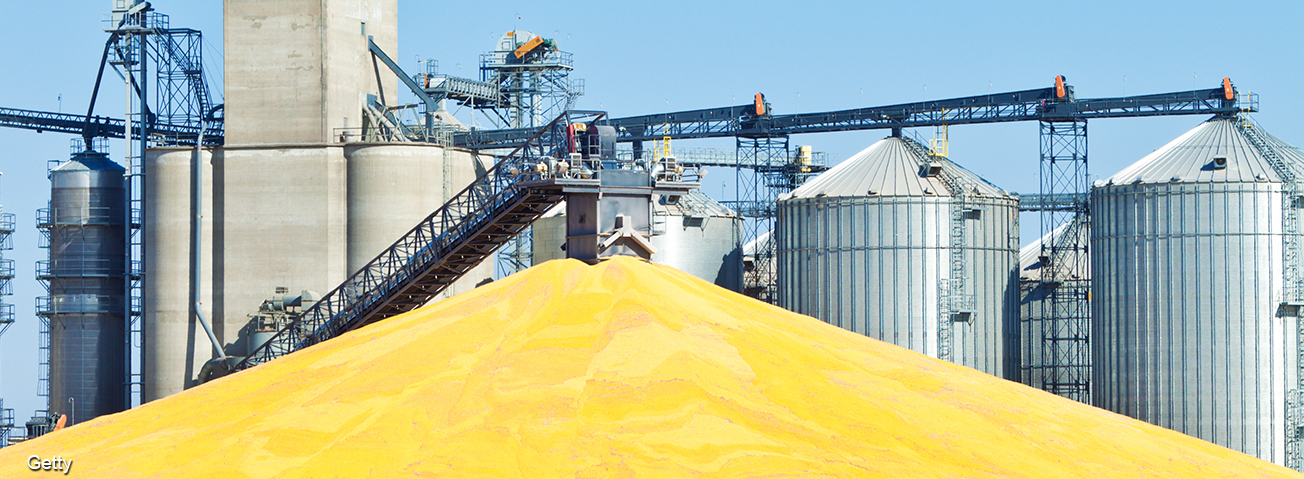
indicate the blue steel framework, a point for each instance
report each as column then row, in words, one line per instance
column 1055, row 108
column 1027, row 105
column 6, row 309
column 1066, row 345
column 761, row 175
column 142, row 46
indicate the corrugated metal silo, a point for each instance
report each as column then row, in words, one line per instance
column 87, row 227
column 696, row 235
column 1192, row 329
column 872, row 246
column 1055, row 316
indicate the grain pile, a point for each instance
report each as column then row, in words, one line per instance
column 624, row 369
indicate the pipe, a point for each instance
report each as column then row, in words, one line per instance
column 197, row 241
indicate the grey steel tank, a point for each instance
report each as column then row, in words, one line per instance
column 868, row 246
column 1055, row 316
column 1192, row 327
column 694, row 234
column 87, row 227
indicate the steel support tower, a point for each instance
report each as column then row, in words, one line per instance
column 757, row 185
column 179, row 109
column 6, row 309
column 1066, row 347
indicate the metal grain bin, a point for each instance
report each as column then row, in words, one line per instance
column 1192, row 329
column 871, row 246
column 86, row 273
column 695, row 234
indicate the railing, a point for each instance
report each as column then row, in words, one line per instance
column 502, row 60
column 7, row 224
column 80, row 216
column 408, row 266
column 47, row 269
column 1052, row 202
column 79, row 304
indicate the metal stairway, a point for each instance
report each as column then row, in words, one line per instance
column 434, row 254
column 1293, row 279
column 953, row 303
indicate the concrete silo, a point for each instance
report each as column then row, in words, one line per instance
column 908, row 248
column 1194, row 327
column 694, row 234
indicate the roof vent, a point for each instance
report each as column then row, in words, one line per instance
column 1176, row 179
column 929, row 170
column 1219, row 162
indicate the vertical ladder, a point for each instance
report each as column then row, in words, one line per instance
column 1292, row 278
column 953, row 298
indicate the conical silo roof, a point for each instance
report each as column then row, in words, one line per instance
column 889, row 167
column 693, row 203
column 1190, row 157
column 1030, row 255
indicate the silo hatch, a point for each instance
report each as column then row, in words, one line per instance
column 1290, row 309
column 961, row 316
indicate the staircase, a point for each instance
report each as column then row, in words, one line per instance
column 435, row 253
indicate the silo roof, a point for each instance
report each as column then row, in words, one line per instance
column 89, row 162
column 755, row 245
column 889, row 167
column 1190, row 157
column 694, row 203
column 1030, row 255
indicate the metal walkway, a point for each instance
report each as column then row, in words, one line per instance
column 439, row 250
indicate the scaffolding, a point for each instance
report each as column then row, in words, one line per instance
column 145, row 50
column 6, row 309
column 1066, row 317
column 759, row 180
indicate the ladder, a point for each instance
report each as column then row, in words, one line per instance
column 953, row 302
column 1293, row 280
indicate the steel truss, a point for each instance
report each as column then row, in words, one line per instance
column 430, row 257
column 759, row 180
column 1066, row 345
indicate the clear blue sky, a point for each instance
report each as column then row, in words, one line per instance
column 663, row 56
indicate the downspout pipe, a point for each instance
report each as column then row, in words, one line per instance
column 197, row 241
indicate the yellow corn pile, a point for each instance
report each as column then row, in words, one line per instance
column 624, row 369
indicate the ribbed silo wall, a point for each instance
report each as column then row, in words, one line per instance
column 875, row 266
column 1187, row 282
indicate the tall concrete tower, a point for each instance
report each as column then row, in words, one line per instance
column 286, row 202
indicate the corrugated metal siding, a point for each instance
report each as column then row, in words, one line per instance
column 1186, row 335
column 873, row 265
